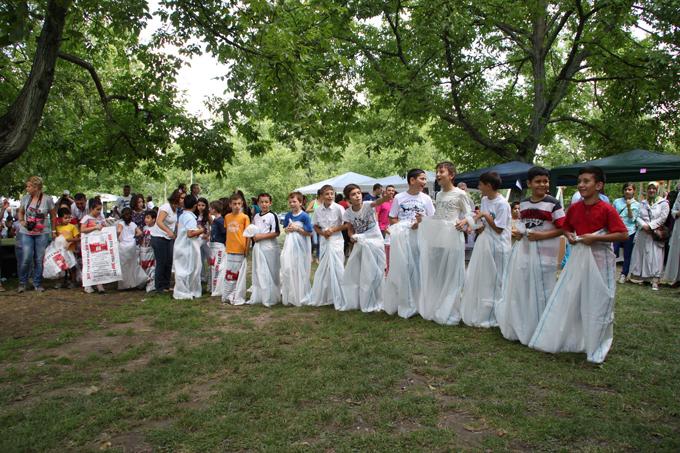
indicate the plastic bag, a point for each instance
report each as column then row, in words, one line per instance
column 483, row 287
column 148, row 262
column 579, row 316
column 57, row 259
column 402, row 286
column 234, row 285
column 217, row 261
column 101, row 259
column 187, row 263
column 265, row 287
column 327, row 286
column 364, row 276
column 133, row 275
column 442, row 270
column 530, row 280
column 296, row 266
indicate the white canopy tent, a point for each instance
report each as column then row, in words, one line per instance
column 399, row 183
column 338, row 182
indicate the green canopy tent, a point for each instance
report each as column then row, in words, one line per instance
column 635, row 165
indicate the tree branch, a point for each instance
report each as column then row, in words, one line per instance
column 585, row 123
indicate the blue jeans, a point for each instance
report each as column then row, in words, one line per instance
column 33, row 252
column 627, row 252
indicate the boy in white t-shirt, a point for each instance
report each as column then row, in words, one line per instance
column 402, row 288
column 484, row 280
column 266, row 284
column 363, row 279
column 328, row 224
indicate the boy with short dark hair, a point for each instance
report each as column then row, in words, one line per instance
column 533, row 262
column 235, row 223
column 579, row 314
column 489, row 257
column 328, row 224
column 266, row 285
column 402, row 288
column 296, row 256
column 442, row 251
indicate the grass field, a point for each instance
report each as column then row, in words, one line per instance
column 129, row 372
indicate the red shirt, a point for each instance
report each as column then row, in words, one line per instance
column 344, row 204
column 586, row 219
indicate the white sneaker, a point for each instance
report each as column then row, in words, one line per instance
column 88, row 289
column 622, row 279
column 100, row 289
column 655, row 286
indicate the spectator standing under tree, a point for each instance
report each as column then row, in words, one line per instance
column 163, row 239
column 3, row 209
column 375, row 193
column 629, row 210
column 138, row 205
column 149, row 203
column 124, row 201
column 33, row 211
column 647, row 260
column 194, row 192
column 78, row 208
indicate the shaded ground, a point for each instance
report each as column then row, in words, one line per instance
column 129, row 372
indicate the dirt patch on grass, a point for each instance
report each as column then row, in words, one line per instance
column 21, row 313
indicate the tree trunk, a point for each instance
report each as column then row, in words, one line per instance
column 19, row 124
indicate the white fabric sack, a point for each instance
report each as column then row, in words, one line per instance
column 529, row 282
column 483, row 288
column 672, row 272
column 234, row 285
column 148, row 262
column 402, row 286
column 647, row 257
column 327, row 286
column 265, row 287
column 57, row 259
column 187, row 263
column 296, row 268
column 442, row 270
column 101, row 259
column 133, row 275
column 217, row 262
column 579, row 316
column 364, row 276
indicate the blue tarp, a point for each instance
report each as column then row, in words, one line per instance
column 510, row 173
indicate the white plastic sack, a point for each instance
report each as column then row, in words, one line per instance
column 579, row 316
column 483, row 288
column 265, row 287
column 187, row 263
column 327, row 286
column 148, row 262
column 57, row 259
column 672, row 272
column 217, row 263
column 364, row 276
column 234, row 286
column 529, row 282
column 647, row 258
column 101, row 260
column 442, row 270
column 402, row 286
column 296, row 267
column 133, row 275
